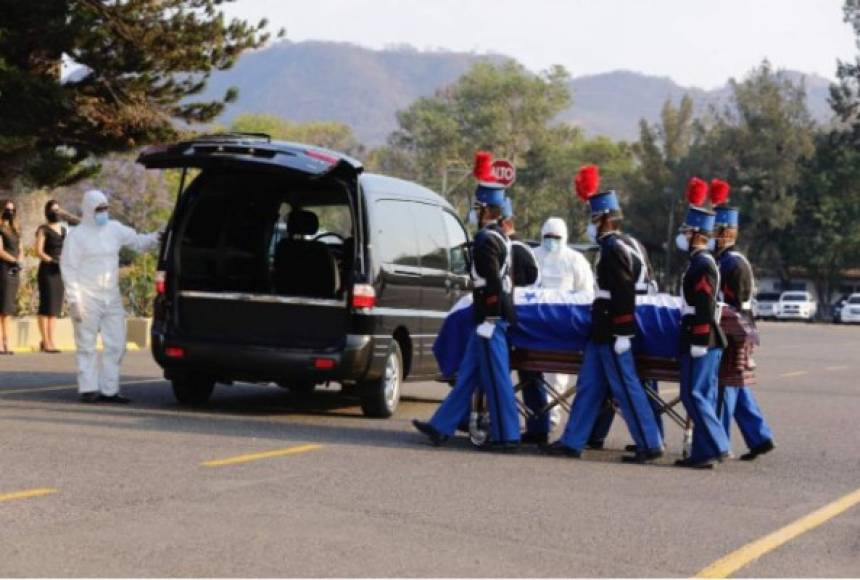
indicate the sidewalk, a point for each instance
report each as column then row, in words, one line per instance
column 24, row 334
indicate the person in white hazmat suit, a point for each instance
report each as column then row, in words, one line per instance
column 89, row 266
column 562, row 268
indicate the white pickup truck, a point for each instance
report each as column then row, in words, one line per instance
column 795, row 305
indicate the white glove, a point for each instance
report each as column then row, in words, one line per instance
column 76, row 312
column 485, row 330
column 622, row 344
column 698, row 351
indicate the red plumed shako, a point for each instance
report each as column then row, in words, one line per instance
column 697, row 191
column 719, row 192
column 483, row 170
column 587, row 182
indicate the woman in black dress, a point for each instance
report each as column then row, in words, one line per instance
column 10, row 269
column 49, row 245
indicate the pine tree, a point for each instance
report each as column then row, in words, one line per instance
column 142, row 62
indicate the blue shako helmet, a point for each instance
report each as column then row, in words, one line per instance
column 698, row 218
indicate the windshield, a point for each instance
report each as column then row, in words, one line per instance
column 797, row 297
column 854, row 300
column 767, row 297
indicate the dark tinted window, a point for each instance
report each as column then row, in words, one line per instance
column 395, row 236
column 767, row 297
column 432, row 240
column 457, row 244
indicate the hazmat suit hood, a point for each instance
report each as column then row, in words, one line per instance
column 91, row 200
column 555, row 226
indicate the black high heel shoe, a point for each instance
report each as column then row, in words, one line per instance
column 47, row 350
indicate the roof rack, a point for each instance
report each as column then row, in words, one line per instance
column 234, row 136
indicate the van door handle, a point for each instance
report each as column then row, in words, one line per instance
column 406, row 273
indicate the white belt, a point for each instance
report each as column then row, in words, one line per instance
column 606, row 294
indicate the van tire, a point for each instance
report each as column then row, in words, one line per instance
column 379, row 398
column 192, row 389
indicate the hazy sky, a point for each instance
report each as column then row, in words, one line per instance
column 696, row 42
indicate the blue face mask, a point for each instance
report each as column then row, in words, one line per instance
column 101, row 218
column 551, row 244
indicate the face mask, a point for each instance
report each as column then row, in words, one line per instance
column 101, row 218
column 551, row 244
column 682, row 242
column 8, row 214
column 712, row 244
column 591, row 232
column 472, row 218
column 52, row 217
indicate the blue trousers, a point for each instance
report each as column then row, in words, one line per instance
column 739, row 403
column 607, row 414
column 535, row 398
column 699, row 395
column 604, row 372
column 486, row 366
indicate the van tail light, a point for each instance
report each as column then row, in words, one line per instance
column 160, row 282
column 174, row 352
column 363, row 296
column 324, row 364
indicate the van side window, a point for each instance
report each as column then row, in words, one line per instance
column 432, row 238
column 458, row 244
column 394, row 233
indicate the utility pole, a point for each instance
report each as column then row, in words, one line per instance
column 669, row 193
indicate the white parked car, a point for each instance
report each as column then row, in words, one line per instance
column 851, row 309
column 795, row 305
column 764, row 305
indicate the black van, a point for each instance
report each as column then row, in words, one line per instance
column 286, row 263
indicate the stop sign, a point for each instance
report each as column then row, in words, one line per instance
column 504, row 172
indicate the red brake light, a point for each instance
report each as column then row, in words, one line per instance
column 160, row 283
column 174, row 352
column 363, row 296
column 330, row 159
column 323, row 363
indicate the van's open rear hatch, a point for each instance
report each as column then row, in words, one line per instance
column 262, row 246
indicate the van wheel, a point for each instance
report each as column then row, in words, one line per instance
column 192, row 389
column 379, row 398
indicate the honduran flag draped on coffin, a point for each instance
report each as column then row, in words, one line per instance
column 561, row 321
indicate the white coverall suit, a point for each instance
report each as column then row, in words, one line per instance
column 89, row 266
column 562, row 269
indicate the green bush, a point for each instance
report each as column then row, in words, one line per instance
column 137, row 285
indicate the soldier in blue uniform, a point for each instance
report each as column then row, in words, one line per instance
column 737, row 286
column 486, row 361
column 702, row 341
column 645, row 285
column 526, row 272
column 608, row 364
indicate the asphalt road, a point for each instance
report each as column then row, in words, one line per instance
column 129, row 494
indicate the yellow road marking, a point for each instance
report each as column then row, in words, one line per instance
column 726, row 566
column 263, row 455
column 27, row 493
column 794, row 374
column 67, row 387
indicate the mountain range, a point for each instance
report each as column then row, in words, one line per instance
column 364, row 88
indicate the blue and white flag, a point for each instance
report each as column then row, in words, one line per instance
column 561, row 321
